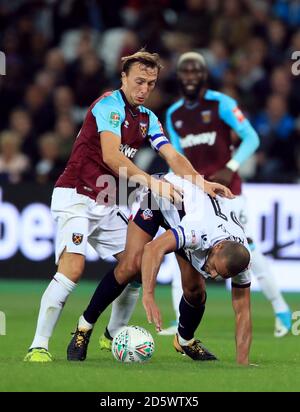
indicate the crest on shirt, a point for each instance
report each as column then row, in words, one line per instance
column 206, row 116
column 147, row 214
column 114, row 119
column 143, row 128
column 77, row 238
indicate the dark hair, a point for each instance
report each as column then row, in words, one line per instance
column 237, row 257
column 142, row 56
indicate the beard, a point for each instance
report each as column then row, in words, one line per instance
column 191, row 94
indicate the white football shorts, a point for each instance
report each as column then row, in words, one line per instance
column 80, row 220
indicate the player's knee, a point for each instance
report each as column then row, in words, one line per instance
column 195, row 296
column 72, row 266
column 128, row 268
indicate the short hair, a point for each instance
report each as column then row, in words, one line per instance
column 191, row 56
column 142, row 56
column 236, row 255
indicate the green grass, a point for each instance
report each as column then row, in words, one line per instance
column 278, row 359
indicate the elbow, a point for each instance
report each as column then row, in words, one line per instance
column 107, row 159
column 255, row 141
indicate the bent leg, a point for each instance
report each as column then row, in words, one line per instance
column 192, row 304
column 127, row 269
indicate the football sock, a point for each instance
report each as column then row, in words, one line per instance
column 184, row 342
column 189, row 319
column 268, row 282
column 106, row 292
column 83, row 324
column 123, row 307
column 52, row 303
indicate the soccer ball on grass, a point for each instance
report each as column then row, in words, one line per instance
column 132, row 344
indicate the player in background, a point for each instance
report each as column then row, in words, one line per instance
column 114, row 129
column 199, row 126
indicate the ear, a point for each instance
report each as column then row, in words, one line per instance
column 219, row 246
column 123, row 77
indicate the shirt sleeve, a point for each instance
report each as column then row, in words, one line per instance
column 233, row 117
column 108, row 117
column 188, row 235
column 242, row 280
column 156, row 133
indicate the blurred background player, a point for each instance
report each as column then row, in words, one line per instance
column 200, row 125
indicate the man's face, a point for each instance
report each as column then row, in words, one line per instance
column 192, row 76
column 215, row 265
column 139, row 83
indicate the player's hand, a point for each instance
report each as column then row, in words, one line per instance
column 223, row 176
column 214, row 189
column 166, row 190
column 152, row 312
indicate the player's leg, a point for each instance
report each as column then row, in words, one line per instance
column 121, row 312
column 191, row 310
column 270, row 288
column 69, row 211
column 111, row 286
column 69, row 271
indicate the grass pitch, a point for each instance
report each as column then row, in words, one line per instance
column 278, row 359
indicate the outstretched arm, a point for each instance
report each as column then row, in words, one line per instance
column 243, row 326
column 153, row 255
column 181, row 166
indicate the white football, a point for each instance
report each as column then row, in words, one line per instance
column 132, row 344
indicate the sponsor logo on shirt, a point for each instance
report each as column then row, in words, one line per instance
column 206, row 116
column 238, row 114
column 128, row 151
column 114, row 119
column 126, row 124
column 191, row 140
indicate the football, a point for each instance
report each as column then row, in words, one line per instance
column 133, row 344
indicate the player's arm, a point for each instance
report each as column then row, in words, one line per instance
column 123, row 167
column 153, row 255
column 243, row 326
column 235, row 119
column 181, row 166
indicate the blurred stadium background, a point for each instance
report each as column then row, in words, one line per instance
column 61, row 55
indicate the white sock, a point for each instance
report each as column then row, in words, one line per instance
column 268, row 282
column 122, row 308
column 84, row 325
column 52, row 303
column 184, row 342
